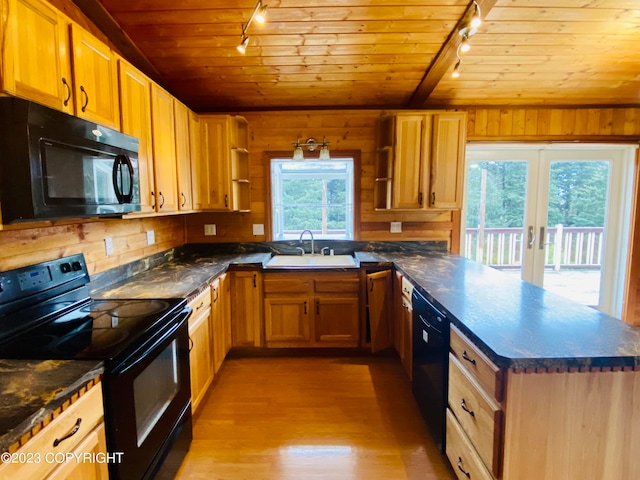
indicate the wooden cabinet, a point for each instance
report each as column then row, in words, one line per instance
column 183, row 156
column 246, row 308
column 403, row 322
column 135, row 118
column 164, row 151
column 475, row 414
column 198, row 173
column 224, row 183
column 201, row 358
column 319, row 309
column 420, row 160
column 95, row 79
column 36, row 62
column 87, row 414
column 220, row 320
column 379, row 308
column 50, row 60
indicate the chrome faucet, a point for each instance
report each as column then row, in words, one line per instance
column 310, row 233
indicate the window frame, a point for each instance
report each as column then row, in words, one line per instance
column 280, row 155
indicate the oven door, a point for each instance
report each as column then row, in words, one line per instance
column 147, row 403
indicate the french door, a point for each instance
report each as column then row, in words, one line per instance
column 553, row 215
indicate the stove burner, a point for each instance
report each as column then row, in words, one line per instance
column 139, row 308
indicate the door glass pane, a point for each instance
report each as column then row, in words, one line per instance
column 495, row 213
column 154, row 389
column 575, row 229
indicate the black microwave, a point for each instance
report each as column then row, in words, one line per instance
column 54, row 165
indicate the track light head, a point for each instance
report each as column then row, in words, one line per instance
column 261, row 14
column 476, row 20
column 242, row 48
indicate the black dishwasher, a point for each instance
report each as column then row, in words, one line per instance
column 430, row 364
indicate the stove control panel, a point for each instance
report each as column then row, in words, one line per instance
column 22, row 282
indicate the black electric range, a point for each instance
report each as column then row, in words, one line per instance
column 46, row 313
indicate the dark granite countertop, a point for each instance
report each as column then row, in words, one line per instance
column 180, row 277
column 30, row 390
column 515, row 323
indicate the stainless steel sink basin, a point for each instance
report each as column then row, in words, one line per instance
column 312, row 261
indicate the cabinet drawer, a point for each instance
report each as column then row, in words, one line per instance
column 88, row 409
column 488, row 375
column 340, row 283
column 201, row 302
column 464, row 459
column 478, row 414
column 275, row 283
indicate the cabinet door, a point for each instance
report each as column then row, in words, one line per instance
column 407, row 337
column 246, row 309
column 195, row 148
column 215, row 185
column 217, row 323
column 164, row 150
column 94, row 443
column 379, row 308
column 225, row 305
column 286, row 321
column 183, row 155
column 200, row 355
column 411, row 161
column 35, row 58
column 135, row 115
column 95, row 79
column 336, row 321
column 447, row 160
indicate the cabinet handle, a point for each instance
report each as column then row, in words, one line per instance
column 254, row 281
column 66, row 84
column 468, row 475
column 190, row 344
column 371, row 284
column 200, row 306
column 318, row 307
column 73, row 431
column 305, row 308
column 468, row 358
column 86, row 98
column 420, row 198
column 463, row 404
column 215, row 295
column 153, row 200
column 226, row 201
column 184, row 199
column 161, row 199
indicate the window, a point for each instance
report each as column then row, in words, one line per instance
column 314, row 195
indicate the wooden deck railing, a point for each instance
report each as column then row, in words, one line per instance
column 565, row 247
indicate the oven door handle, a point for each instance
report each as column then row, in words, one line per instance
column 142, row 356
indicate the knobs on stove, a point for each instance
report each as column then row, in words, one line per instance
column 76, row 266
column 65, row 267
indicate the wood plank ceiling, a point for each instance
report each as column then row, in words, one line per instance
column 384, row 53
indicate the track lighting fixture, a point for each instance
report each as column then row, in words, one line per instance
column 311, row 145
column 476, row 19
column 456, row 69
column 259, row 15
column 464, row 45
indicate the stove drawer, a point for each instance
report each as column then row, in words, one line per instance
column 46, row 450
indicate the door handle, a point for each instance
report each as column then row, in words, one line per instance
column 531, row 238
column 542, row 239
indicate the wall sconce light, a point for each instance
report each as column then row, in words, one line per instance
column 259, row 14
column 311, row 145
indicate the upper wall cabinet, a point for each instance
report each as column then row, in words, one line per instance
column 420, row 160
column 224, row 168
column 35, row 59
column 183, row 156
column 135, row 111
column 164, row 150
column 41, row 47
column 95, row 79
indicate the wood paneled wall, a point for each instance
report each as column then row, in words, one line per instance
column 26, row 246
column 346, row 130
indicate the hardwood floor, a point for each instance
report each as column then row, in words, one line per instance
column 312, row 418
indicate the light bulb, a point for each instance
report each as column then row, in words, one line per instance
column 456, row 70
column 242, row 48
column 465, row 46
column 261, row 15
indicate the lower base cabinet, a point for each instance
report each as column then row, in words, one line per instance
column 311, row 309
column 246, row 308
column 201, row 347
column 89, row 437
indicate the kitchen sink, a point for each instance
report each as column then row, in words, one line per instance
column 312, row 261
